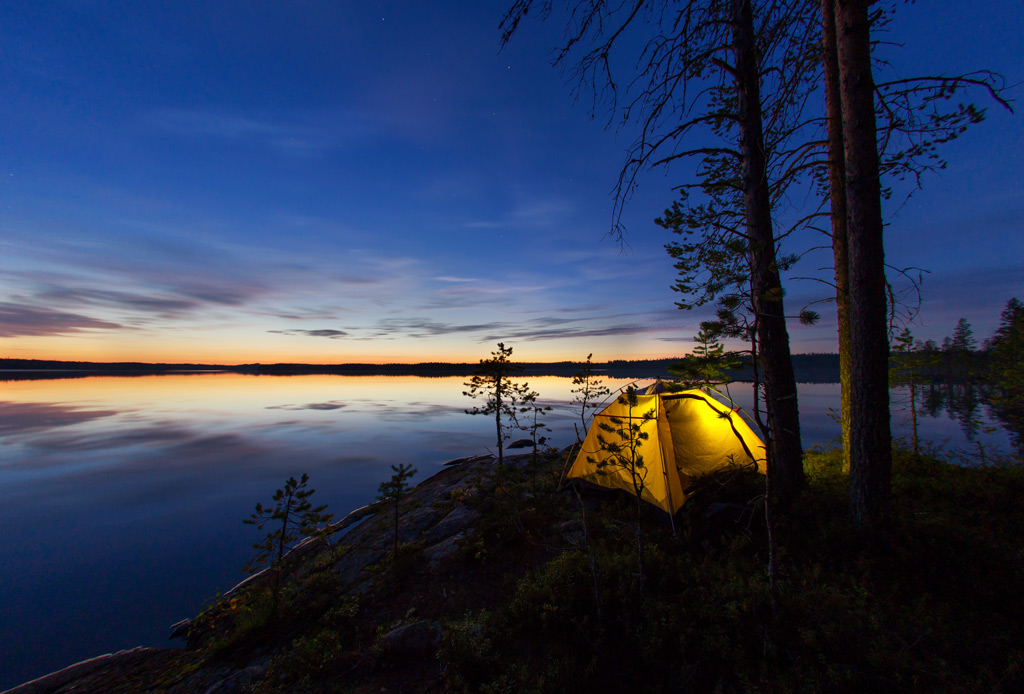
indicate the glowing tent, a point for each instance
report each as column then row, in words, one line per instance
column 689, row 434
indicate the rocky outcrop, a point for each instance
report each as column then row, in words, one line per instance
column 412, row 640
column 434, row 516
column 85, row 670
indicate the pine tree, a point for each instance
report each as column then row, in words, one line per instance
column 623, row 449
column 708, row 364
column 533, row 425
column 589, row 390
column 1006, row 370
column 394, row 490
column 904, row 370
column 293, row 518
column 493, row 381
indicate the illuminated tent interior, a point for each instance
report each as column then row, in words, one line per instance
column 689, row 434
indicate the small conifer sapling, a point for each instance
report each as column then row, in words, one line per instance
column 588, row 391
column 621, row 439
column 394, row 490
column 293, row 518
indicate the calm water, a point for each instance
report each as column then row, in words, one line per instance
column 123, row 497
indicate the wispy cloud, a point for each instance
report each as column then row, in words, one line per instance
column 24, row 321
column 287, row 138
column 531, row 335
column 328, row 333
column 449, row 278
column 418, row 328
column 164, row 306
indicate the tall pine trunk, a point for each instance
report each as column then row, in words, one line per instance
column 766, row 286
column 870, row 438
column 837, row 191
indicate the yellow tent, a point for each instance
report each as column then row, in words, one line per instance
column 689, row 434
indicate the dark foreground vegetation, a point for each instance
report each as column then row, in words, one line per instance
column 501, row 582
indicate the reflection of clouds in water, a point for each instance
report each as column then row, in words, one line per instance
column 333, row 405
column 313, row 426
column 219, row 446
column 150, row 435
column 358, row 460
column 24, row 417
column 391, row 410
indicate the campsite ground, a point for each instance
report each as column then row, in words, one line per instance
column 504, row 583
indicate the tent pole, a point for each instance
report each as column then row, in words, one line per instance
column 664, row 469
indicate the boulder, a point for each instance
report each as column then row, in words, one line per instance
column 438, row 554
column 416, row 639
column 457, row 520
column 238, row 682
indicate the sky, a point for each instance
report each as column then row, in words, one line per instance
column 323, row 181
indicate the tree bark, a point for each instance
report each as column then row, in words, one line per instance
column 870, row 438
column 766, row 286
column 497, row 419
column 837, row 190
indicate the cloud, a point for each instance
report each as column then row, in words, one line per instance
column 285, row 139
column 318, row 135
column 330, row 334
column 29, row 321
column 419, row 328
column 77, row 296
column 570, row 332
column 147, row 269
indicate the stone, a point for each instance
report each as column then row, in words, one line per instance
column 572, row 532
column 81, row 671
column 457, row 520
column 443, row 551
column 416, row 639
column 238, row 682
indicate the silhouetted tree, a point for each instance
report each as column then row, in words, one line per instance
column 708, row 365
column 905, row 370
column 393, row 490
column 620, row 439
column 914, row 117
column 493, row 381
column 870, row 435
column 532, row 411
column 293, row 518
column 588, row 392
column 1006, row 370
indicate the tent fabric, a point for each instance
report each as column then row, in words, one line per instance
column 689, row 434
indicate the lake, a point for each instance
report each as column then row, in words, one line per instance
column 123, row 497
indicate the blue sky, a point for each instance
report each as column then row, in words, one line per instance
column 378, row 181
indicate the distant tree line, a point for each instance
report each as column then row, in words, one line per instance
column 810, row 368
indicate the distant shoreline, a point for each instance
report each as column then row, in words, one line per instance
column 810, row 368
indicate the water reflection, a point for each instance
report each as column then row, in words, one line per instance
column 123, row 497
column 975, row 411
